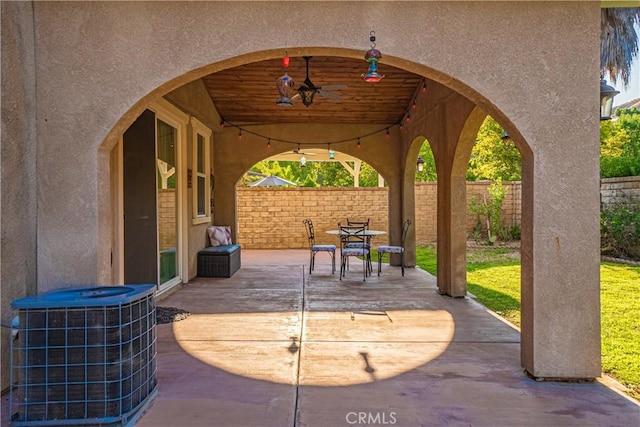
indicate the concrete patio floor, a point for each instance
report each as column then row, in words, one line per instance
column 274, row 346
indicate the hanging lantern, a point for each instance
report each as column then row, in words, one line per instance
column 303, row 162
column 332, row 154
column 283, row 84
column 372, row 56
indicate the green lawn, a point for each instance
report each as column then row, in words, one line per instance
column 493, row 276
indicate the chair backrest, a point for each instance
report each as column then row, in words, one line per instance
column 310, row 233
column 364, row 223
column 351, row 234
column 405, row 229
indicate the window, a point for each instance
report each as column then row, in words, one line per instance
column 201, row 179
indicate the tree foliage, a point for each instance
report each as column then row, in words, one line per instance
column 618, row 41
column 620, row 144
column 494, row 157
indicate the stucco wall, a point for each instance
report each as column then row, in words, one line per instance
column 90, row 84
column 114, row 77
column 18, row 189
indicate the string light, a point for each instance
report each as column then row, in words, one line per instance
column 222, row 123
column 242, row 131
column 388, row 135
column 358, row 146
column 408, row 118
column 415, row 105
column 424, row 86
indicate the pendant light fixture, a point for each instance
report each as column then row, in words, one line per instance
column 372, row 56
column 283, row 84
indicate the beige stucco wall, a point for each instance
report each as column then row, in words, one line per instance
column 534, row 66
column 18, row 202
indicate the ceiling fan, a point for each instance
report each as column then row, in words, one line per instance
column 308, row 90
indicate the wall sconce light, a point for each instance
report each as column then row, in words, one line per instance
column 607, row 93
column 372, row 56
column 420, row 164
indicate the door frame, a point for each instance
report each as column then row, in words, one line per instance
column 173, row 116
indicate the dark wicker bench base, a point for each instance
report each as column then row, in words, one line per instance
column 219, row 261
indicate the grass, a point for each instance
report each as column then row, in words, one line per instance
column 493, row 276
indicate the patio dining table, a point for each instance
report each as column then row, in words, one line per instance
column 367, row 233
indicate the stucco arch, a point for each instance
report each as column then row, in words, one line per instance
column 87, row 86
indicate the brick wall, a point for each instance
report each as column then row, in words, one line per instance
column 167, row 218
column 271, row 217
column 625, row 190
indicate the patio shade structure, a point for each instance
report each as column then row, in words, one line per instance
column 272, row 181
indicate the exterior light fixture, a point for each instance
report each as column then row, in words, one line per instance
column 420, row 164
column 303, row 162
column 606, row 99
column 283, row 84
column 505, row 136
column 306, row 94
column 372, row 56
column 332, row 154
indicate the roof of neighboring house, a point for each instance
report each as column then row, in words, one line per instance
column 634, row 103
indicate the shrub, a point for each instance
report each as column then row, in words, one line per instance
column 620, row 231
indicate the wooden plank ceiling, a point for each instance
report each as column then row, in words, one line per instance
column 248, row 94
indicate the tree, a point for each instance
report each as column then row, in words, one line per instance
column 494, row 157
column 618, row 41
column 620, row 145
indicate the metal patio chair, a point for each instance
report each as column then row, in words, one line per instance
column 353, row 244
column 362, row 244
column 389, row 249
column 314, row 249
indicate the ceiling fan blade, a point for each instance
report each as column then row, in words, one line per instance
column 330, row 95
column 295, row 97
column 333, row 87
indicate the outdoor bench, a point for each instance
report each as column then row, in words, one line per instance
column 219, row 261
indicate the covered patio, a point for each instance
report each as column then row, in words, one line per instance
column 274, row 346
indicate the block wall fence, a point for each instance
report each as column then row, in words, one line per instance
column 271, row 217
column 616, row 191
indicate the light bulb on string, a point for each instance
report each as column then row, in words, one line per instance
column 388, row 135
column 358, row 145
column 414, row 106
column 269, row 143
column 240, row 134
